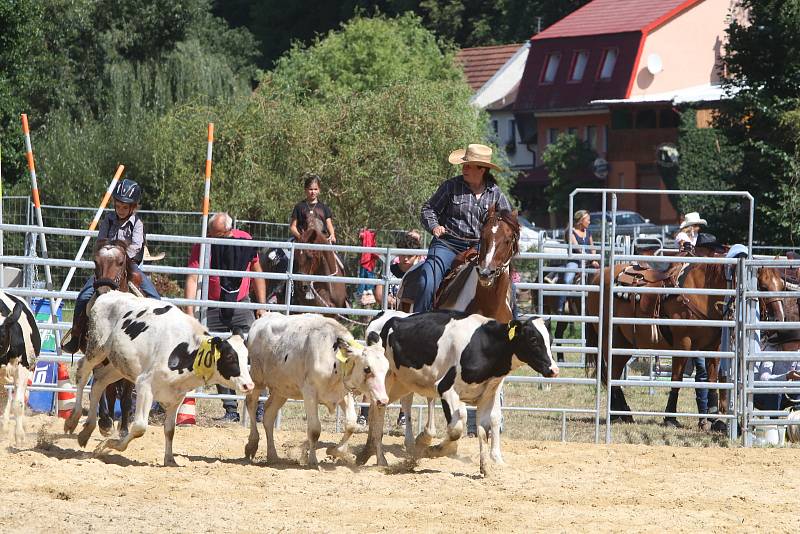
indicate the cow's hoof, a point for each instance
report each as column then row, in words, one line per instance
column 170, row 462
column 84, row 435
column 704, row 424
column 105, row 431
column 423, row 440
column 672, row 422
column 70, row 424
column 250, row 449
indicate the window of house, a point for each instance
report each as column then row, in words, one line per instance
column 591, row 137
column 550, row 67
column 667, row 118
column 572, row 130
column 621, row 119
column 608, row 63
column 512, row 131
column 646, row 118
column 579, row 60
column 494, row 127
column 552, row 135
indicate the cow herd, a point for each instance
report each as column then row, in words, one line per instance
column 460, row 358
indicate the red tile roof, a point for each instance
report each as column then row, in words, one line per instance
column 481, row 63
column 615, row 16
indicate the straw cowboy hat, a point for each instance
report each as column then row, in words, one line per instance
column 149, row 257
column 476, row 154
column 691, row 219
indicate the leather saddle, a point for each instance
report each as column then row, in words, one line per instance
column 457, row 276
column 645, row 304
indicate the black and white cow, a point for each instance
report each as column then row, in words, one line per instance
column 462, row 359
column 165, row 352
column 314, row 358
column 20, row 344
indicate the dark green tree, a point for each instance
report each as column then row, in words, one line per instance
column 762, row 76
column 569, row 163
column 709, row 162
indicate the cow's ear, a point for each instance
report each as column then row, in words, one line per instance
column 547, row 323
column 216, row 341
column 236, row 331
column 15, row 315
column 373, row 338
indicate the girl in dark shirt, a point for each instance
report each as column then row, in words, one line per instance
column 312, row 207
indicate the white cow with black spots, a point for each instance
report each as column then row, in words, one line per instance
column 461, row 359
column 20, row 344
column 163, row 351
column 314, row 358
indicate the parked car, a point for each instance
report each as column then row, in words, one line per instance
column 629, row 223
column 529, row 239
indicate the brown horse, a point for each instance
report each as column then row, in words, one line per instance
column 112, row 271
column 684, row 337
column 318, row 262
column 482, row 284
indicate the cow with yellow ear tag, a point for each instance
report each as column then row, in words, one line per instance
column 313, row 358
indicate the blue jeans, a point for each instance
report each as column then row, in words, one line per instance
column 441, row 254
column 568, row 277
column 86, row 293
column 701, row 375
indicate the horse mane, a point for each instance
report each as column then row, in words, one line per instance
column 117, row 243
column 312, row 235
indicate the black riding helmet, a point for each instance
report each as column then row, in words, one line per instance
column 127, row 192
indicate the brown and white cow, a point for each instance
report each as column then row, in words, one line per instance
column 164, row 351
column 459, row 358
column 20, row 344
column 314, row 358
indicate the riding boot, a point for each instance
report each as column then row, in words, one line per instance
column 76, row 337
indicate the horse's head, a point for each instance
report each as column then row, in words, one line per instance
column 110, row 265
column 499, row 243
column 769, row 279
column 309, row 261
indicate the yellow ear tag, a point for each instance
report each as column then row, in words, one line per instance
column 347, row 363
column 206, row 360
column 512, row 332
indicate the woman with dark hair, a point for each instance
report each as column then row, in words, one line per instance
column 309, row 208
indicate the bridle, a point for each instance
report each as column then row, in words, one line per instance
column 116, row 282
column 504, row 268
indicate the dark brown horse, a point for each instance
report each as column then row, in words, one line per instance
column 318, row 262
column 112, row 271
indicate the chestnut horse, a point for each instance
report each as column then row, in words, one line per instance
column 112, row 271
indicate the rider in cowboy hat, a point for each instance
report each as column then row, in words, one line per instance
column 453, row 215
column 690, row 229
column 123, row 223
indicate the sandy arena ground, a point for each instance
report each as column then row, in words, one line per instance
column 58, row 487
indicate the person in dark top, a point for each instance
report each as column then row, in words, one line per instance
column 312, row 207
column 124, row 224
column 453, row 216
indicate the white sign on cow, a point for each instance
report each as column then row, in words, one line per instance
column 314, row 358
column 165, row 352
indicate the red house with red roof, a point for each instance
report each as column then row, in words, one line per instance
column 615, row 72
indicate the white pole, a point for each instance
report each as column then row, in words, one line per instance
column 204, row 250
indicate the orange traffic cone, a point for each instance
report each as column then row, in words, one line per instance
column 66, row 399
column 187, row 413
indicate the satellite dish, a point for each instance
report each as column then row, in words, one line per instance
column 654, row 64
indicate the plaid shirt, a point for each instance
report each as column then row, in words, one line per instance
column 455, row 207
